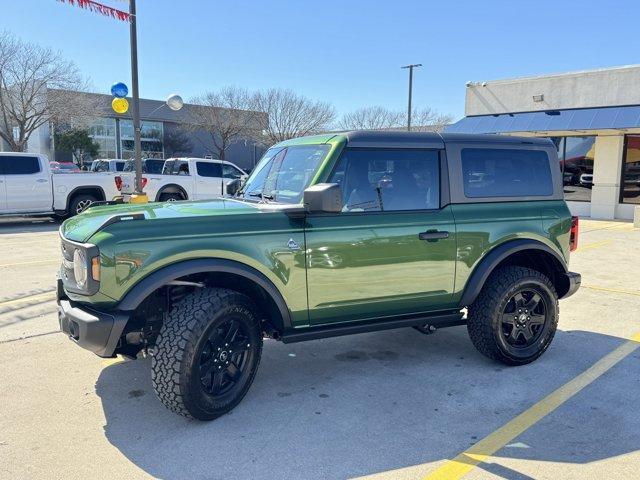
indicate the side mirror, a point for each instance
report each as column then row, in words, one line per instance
column 233, row 186
column 323, row 197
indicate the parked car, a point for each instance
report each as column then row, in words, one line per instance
column 107, row 165
column 64, row 167
column 149, row 165
column 186, row 178
column 586, row 180
column 27, row 187
column 456, row 221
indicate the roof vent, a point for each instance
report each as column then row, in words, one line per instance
column 538, row 97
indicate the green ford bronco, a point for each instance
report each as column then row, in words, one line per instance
column 330, row 235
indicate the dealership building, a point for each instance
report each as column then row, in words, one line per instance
column 165, row 133
column 593, row 117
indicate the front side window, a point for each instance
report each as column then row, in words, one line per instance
column 493, row 172
column 388, row 179
column 631, row 171
column 19, row 165
column 284, row 173
column 209, row 169
column 229, row 171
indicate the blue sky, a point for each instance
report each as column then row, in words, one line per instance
column 346, row 52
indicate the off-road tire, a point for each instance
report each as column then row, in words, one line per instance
column 484, row 316
column 176, row 356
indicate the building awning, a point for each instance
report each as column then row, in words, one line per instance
column 603, row 118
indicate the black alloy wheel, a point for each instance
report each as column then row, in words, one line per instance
column 223, row 357
column 523, row 318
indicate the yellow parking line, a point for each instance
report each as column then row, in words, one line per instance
column 107, row 362
column 613, row 290
column 29, row 298
column 589, row 246
column 29, row 263
column 485, row 448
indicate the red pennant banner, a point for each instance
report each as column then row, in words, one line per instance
column 100, row 8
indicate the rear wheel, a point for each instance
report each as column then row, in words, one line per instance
column 80, row 203
column 207, row 353
column 171, row 197
column 515, row 316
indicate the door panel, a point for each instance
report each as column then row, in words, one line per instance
column 368, row 265
column 27, row 184
column 3, row 194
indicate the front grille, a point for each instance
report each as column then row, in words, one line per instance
column 66, row 269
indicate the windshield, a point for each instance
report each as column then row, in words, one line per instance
column 284, row 172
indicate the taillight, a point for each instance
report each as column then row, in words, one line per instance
column 118, row 181
column 573, row 238
column 144, row 182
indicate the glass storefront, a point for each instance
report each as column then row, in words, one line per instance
column 576, row 156
column 630, row 184
column 103, row 132
column 151, row 134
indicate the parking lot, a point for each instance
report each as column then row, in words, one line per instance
column 392, row 404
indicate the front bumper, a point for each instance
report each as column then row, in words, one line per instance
column 573, row 279
column 96, row 331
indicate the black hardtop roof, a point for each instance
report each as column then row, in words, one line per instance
column 373, row 138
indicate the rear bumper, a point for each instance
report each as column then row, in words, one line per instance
column 96, row 331
column 574, row 280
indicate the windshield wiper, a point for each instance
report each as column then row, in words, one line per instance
column 260, row 195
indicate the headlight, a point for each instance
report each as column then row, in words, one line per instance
column 80, row 267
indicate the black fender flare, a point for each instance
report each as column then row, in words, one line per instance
column 492, row 259
column 171, row 185
column 161, row 277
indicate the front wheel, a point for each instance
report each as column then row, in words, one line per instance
column 515, row 316
column 207, row 353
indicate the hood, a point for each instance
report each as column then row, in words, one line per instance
column 81, row 227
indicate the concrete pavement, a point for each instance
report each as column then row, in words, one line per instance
column 393, row 404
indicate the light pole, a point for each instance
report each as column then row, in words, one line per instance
column 135, row 110
column 410, row 67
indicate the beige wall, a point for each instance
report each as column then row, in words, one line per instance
column 595, row 88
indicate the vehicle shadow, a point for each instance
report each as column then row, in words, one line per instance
column 28, row 225
column 358, row 405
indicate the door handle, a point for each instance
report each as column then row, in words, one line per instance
column 42, row 180
column 433, row 235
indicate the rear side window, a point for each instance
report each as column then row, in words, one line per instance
column 505, row 172
column 18, row 165
column 209, row 169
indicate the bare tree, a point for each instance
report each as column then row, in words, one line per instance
column 381, row 118
column 176, row 142
column 289, row 115
column 429, row 120
column 226, row 115
column 35, row 88
column 371, row 118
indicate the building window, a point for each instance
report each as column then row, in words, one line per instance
column 576, row 155
column 630, row 191
column 151, row 135
column 103, row 132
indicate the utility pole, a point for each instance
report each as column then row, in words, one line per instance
column 135, row 108
column 410, row 67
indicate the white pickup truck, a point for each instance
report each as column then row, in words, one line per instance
column 27, row 187
column 185, row 179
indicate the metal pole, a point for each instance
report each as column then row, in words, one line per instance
column 410, row 67
column 135, row 110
